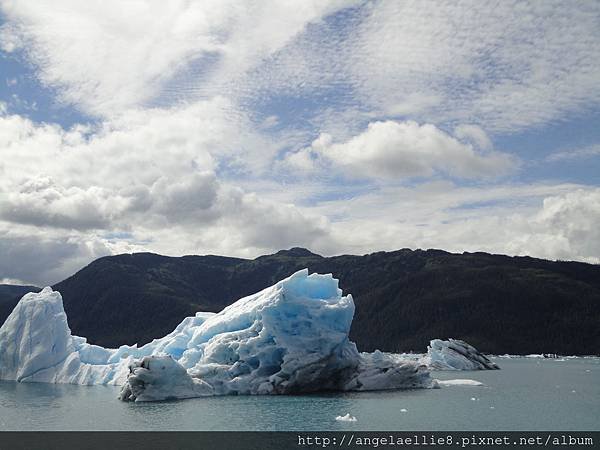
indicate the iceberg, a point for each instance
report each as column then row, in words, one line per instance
column 36, row 345
column 455, row 354
column 289, row 338
column 346, row 418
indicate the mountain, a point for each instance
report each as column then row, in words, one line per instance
column 499, row 304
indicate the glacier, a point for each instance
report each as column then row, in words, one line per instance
column 289, row 338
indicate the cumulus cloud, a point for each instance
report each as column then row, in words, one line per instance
column 42, row 258
column 205, row 112
column 43, row 202
column 155, row 161
column 148, row 176
column 38, row 250
column 396, row 150
column 546, row 221
column 99, row 177
column 573, row 219
column 137, row 148
column 40, row 201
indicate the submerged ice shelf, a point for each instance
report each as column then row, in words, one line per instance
column 289, row 338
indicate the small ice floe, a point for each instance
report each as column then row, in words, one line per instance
column 404, row 410
column 346, row 418
column 460, row 382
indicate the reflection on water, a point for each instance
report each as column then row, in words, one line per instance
column 526, row 394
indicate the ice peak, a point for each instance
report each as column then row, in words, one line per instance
column 314, row 286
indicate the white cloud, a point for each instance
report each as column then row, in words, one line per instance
column 506, row 68
column 86, row 177
column 396, row 150
column 40, row 201
column 198, row 99
column 148, row 175
column 138, row 147
column 546, row 221
column 574, row 218
column 105, row 56
column 474, row 134
column 9, row 38
column 578, row 153
column 255, row 225
column 43, row 257
column 151, row 178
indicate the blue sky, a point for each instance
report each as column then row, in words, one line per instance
column 241, row 128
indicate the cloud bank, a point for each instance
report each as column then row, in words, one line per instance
column 342, row 126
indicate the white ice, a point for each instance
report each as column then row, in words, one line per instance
column 346, row 418
column 460, row 382
column 291, row 337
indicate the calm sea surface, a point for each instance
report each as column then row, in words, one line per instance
column 527, row 394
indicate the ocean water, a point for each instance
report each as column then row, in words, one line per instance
column 527, row 394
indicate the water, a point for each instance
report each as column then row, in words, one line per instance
column 527, row 394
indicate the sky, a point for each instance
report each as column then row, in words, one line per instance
column 241, row 128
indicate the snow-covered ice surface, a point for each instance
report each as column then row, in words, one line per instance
column 455, row 354
column 289, row 338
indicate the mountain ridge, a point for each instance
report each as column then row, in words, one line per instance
column 404, row 298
